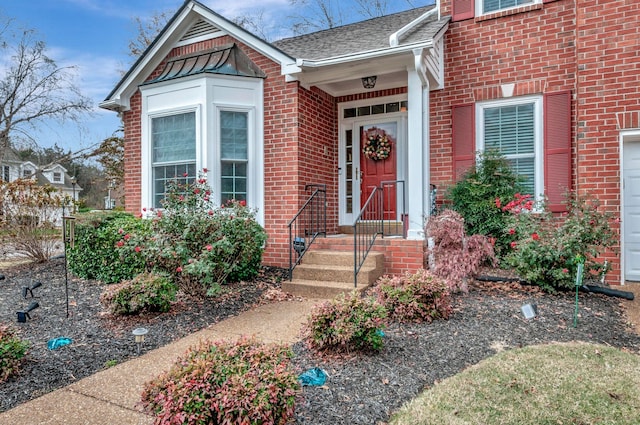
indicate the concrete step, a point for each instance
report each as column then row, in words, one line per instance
column 320, row 288
column 325, row 273
column 340, row 258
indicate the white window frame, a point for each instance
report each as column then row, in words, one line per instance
column 480, row 7
column 538, row 134
column 56, row 176
column 6, row 173
column 149, row 196
column 251, row 156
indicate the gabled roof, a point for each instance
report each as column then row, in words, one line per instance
column 387, row 36
column 191, row 19
column 370, row 35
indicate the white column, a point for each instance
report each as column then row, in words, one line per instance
column 416, row 156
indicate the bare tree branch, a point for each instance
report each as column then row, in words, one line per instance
column 33, row 88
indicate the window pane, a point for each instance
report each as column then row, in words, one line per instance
column 164, row 173
column 493, row 5
column 234, row 135
column 510, row 131
column 174, row 138
column 233, row 183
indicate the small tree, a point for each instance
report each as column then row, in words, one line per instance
column 455, row 257
column 34, row 88
column 29, row 216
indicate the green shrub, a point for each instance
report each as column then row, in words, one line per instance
column 489, row 183
column 414, row 297
column 545, row 249
column 146, row 292
column 243, row 382
column 12, row 352
column 346, row 323
column 202, row 246
column 94, row 255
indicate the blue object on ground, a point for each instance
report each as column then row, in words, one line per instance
column 379, row 332
column 58, row 342
column 313, row 377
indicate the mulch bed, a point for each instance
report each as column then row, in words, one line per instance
column 361, row 389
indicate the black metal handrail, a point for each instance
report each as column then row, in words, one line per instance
column 371, row 222
column 309, row 222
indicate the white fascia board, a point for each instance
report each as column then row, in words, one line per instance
column 371, row 54
column 119, row 100
column 394, row 39
column 242, row 35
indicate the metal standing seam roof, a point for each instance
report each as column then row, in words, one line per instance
column 228, row 60
column 372, row 34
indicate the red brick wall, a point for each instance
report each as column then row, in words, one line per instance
column 586, row 46
column 607, row 86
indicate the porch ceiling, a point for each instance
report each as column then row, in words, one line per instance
column 345, row 79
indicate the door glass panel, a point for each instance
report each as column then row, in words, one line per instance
column 349, row 171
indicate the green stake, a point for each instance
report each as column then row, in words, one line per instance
column 578, row 285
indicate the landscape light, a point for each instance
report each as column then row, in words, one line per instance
column 139, row 334
column 529, row 310
column 29, row 290
column 24, row 315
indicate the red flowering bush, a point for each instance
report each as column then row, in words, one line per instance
column 12, row 352
column 455, row 257
column 199, row 244
column 146, row 292
column 346, row 323
column 243, row 382
column 546, row 249
column 414, row 297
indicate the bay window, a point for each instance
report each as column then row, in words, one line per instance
column 173, row 139
column 234, row 142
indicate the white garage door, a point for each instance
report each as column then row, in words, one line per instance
column 631, row 219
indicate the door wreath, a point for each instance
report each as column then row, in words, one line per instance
column 377, row 147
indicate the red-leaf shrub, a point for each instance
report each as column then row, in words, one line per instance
column 414, row 297
column 243, row 382
column 455, row 256
column 346, row 323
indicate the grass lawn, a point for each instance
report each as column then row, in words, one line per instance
column 575, row 383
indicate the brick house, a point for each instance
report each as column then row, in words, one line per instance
column 273, row 121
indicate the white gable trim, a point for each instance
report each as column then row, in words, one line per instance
column 394, row 39
column 170, row 37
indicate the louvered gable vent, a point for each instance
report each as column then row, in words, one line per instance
column 201, row 28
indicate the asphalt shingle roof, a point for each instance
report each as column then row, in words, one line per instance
column 364, row 36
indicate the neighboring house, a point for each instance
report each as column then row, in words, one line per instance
column 54, row 175
column 436, row 84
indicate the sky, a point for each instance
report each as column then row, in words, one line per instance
column 93, row 35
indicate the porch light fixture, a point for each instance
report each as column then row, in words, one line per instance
column 138, row 334
column 369, row 82
column 24, row 315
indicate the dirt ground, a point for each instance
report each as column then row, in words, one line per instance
column 632, row 308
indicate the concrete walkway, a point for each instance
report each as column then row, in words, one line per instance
column 111, row 396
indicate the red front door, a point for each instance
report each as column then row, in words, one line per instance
column 378, row 164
